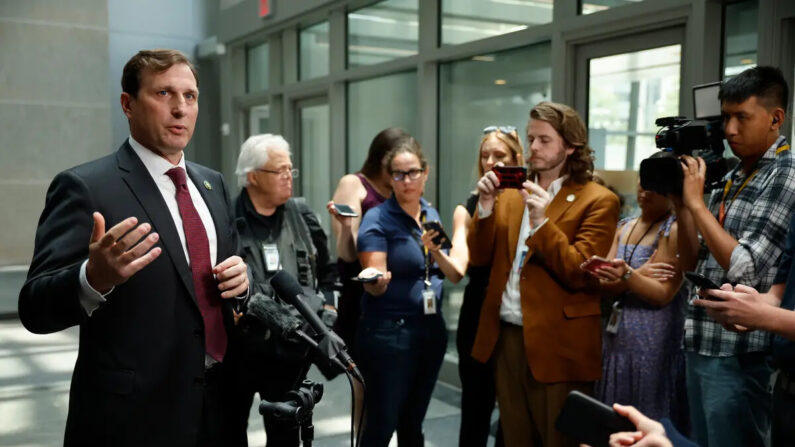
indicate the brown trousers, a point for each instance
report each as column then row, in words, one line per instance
column 528, row 408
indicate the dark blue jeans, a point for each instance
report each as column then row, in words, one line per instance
column 400, row 359
column 730, row 403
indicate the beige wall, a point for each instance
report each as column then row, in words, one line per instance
column 54, row 106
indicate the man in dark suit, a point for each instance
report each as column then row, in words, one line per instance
column 152, row 293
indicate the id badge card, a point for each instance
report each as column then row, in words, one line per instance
column 271, row 254
column 615, row 319
column 428, row 301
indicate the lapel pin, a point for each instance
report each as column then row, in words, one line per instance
column 208, row 185
column 570, row 198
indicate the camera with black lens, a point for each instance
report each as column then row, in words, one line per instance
column 699, row 137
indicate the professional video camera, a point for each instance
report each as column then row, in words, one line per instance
column 700, row 137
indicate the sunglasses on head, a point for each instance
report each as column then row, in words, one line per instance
column 507, row 130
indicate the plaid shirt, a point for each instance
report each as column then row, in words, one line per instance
column 758, row 218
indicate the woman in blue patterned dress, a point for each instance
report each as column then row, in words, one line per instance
column 643, row 363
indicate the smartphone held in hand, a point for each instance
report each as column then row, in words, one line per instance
column 594, row 263
column 441, row 238
column 510, row 176
column 345, row 210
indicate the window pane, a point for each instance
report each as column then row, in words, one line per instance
column 741, row 37
column 467, row 20
column 592, row 6
column 382, row 32
column 490, row 89
column 627, row 93
column 257, row 68
column 259, row 120
column 374, row 105
column 315, row 156
column 314, row 43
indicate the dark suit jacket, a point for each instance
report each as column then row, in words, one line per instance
column 139, row 374
column 560, row 318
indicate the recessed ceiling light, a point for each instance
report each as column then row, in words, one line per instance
column 500, row 82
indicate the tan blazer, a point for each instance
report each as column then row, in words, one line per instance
column 562, row 333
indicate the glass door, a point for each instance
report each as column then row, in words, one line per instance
column 623, row 86
column 312, row 154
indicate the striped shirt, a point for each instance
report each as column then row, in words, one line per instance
column 758, row 218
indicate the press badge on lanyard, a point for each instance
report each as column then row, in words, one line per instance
column 428, row 296
column 271, row 254
column 615, row 318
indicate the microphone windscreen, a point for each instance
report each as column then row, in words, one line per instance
column 286, row 286
column 273, row 315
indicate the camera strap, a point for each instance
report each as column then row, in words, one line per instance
column 723, row 208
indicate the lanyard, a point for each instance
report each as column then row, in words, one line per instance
column 723, row 208
column 425, row 255
column 629, row 236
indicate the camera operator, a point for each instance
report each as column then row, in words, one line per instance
column 277, row 232
column 739, row 237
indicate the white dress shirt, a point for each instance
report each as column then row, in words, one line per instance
column 157, row 167
column 511, row 307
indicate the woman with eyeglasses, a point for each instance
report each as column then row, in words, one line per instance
column 402, row 336
column 361, row 191
column 500, row 144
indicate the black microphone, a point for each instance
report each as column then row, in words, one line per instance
column 332, row 346
column 274, row 316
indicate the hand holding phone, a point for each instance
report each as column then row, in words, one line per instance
column 344, row 210
column 510, row 176
column 368, row 279
column 441, row 238
column 594, row 263
column 588, row 421
column 701, row 281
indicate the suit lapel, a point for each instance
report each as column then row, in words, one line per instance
column 145, row 190
column 564, row 199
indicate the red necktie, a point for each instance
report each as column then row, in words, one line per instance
column 204, row 283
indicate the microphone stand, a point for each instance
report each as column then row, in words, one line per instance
column 298, row 408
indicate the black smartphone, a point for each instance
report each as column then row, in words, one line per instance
column 345, row 210
column 510, row 176
column 588, row 421
column 441, row 238
column 701, row 281
column 369, row 279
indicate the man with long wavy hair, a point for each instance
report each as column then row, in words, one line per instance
column 537, row 320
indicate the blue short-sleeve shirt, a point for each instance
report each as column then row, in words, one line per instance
column 389, row 229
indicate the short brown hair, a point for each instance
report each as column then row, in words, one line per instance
column 158, row 61
column 568, row 124
column 510, row 140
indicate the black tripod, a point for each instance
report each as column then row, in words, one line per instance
column 298, row 408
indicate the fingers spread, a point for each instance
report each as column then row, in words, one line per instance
column 117, row 231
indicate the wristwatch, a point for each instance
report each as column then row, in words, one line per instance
column 626, row 276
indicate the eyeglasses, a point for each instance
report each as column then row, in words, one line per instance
column 413, row 174
column 284, row 173
column 507, row 130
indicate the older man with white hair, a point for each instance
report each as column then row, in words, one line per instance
column 277, row 232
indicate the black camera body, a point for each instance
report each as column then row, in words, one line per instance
column 700, row 137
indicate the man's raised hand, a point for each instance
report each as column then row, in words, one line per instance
column 116, row 255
